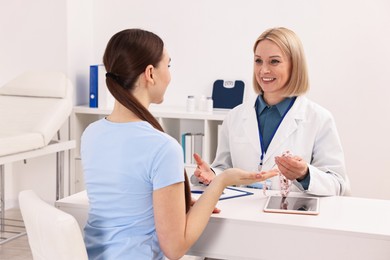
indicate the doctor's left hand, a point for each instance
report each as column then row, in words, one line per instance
column 203, row 171
column 293, row 167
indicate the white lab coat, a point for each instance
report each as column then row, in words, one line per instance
column 308, row 130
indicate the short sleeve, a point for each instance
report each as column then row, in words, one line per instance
column 168, row 166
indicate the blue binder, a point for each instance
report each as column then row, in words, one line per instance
column 227, row 94
column 93, row 85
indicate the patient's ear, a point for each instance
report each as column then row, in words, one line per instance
column 149, row 70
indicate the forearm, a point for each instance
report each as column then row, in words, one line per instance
column 222, row 160
column 327, row 182
column 177, row 231
column 199, row 214
column 327, row 164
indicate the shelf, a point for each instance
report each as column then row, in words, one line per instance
column 174, row 120
column 162, row 111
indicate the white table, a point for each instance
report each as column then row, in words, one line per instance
column 346, row 228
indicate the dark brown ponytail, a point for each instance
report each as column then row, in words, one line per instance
column 127, row 55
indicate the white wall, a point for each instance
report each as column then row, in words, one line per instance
column 79, row 46
column 33, row 36
column 345, row 42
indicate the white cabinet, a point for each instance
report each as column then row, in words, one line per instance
column 174, row 120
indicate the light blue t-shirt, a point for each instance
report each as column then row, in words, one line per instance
column 123, row 164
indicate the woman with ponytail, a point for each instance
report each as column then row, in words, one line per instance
column 134, row 173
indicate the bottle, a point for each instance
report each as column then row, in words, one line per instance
column 203, row 103
column 190, row 104
column 209, row 104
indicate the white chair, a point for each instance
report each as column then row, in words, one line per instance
column 33, row 107
column 52, row 233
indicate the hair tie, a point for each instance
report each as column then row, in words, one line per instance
column 111, row 75
column 116, row 78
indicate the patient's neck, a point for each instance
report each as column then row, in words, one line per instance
column 121, row 114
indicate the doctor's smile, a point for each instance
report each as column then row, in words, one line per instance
column 268, row 79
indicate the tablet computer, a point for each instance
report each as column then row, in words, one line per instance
column 294, row 205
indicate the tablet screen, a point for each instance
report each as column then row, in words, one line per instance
column 297, row 205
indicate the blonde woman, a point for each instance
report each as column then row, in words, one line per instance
column 256, row 134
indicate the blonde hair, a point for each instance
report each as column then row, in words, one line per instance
column 291, row 46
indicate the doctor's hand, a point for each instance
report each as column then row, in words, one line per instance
column 292, row 167
column 203, row 171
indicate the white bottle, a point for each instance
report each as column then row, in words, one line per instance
column 203, row 103
column 209, row 104
column 190, row 104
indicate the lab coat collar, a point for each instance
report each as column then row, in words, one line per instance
column 250, row 124
column 289, row 125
